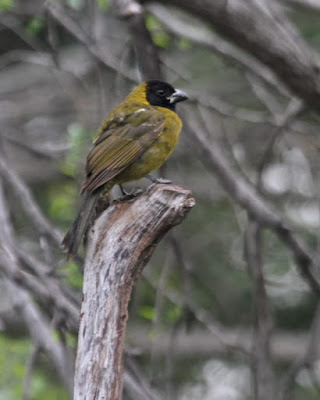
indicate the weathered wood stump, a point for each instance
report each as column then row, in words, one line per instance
column 121, row 243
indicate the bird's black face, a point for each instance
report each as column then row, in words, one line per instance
column 164, row 95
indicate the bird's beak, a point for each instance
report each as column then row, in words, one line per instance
column 178, row 95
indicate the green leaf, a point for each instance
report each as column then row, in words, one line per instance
column 159, row 35
column 62, row 202
column 147, row 312
column 173, row 314
column 184, row 44
column 72, row 340
column 103, row 4
column 161, row 39
column 73, row 277
column 152, row 23
column 35, row 25
column 78, row 138
column 6, row 5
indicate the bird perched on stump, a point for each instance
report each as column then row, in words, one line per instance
column 135, row 139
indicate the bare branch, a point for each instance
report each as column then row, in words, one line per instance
column 262, row 29
column 135, row 384
column 262, row 364
column 311, row 5
column 40, row 332
column 36, row 323
column 295, row 108
column 41, row 282
column 243, row 193
column 29, row 371
column 147, row 53
column 62, row 17
column 306, row 360
column 201, row 315
column 196, row 343
column 122, row 242
column 194, row 30
column 229, row 110
column 41, row 224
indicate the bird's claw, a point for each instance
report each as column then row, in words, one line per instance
column 158, row 180
column 129, row 195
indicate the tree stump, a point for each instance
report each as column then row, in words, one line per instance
column 120, row 244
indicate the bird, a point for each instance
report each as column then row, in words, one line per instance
column 135, row 139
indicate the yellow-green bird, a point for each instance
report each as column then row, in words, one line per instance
column 135, row 139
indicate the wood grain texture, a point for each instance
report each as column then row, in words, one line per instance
column 122, row 241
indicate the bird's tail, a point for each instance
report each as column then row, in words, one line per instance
column 72, row 240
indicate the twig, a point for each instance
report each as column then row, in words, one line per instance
column 264, row 95
column 294, row 109
column 198, row 343
column 147, row 54
column 49, row 289
column 271, row 39
column 135, row 384
column 306, row 361
column 29, row 205
column 32, row 284
column 36, row 323
column 158, row 307
column 204, row 318
column 13, row 23
column 309, row 5
column 229, row 110
column 40, row 332
column 244, row 194
column 26, row 391
column 195, row 31
column 180, row 255
column 61, row 15
column 45, row 286
column 262, row 363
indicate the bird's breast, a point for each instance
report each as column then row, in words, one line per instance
column 157, row 153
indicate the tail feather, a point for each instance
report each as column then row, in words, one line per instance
column 72, row 239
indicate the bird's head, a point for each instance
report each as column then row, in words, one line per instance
column 157, row 93
column 162, row 94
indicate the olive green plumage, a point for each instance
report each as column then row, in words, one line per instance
column 134, row 140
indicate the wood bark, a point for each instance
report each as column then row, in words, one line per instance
column 122, row 241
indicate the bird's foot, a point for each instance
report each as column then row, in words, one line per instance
column 154, row 181
column 158, row 180
column 129, row 195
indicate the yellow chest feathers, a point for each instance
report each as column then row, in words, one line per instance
column 157, row 153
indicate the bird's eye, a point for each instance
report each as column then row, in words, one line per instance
column 160, row 92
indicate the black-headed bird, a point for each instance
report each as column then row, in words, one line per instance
column 135, row 139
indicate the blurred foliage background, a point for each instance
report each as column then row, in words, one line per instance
column 192, row 313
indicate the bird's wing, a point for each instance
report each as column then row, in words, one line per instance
column 121, row 141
